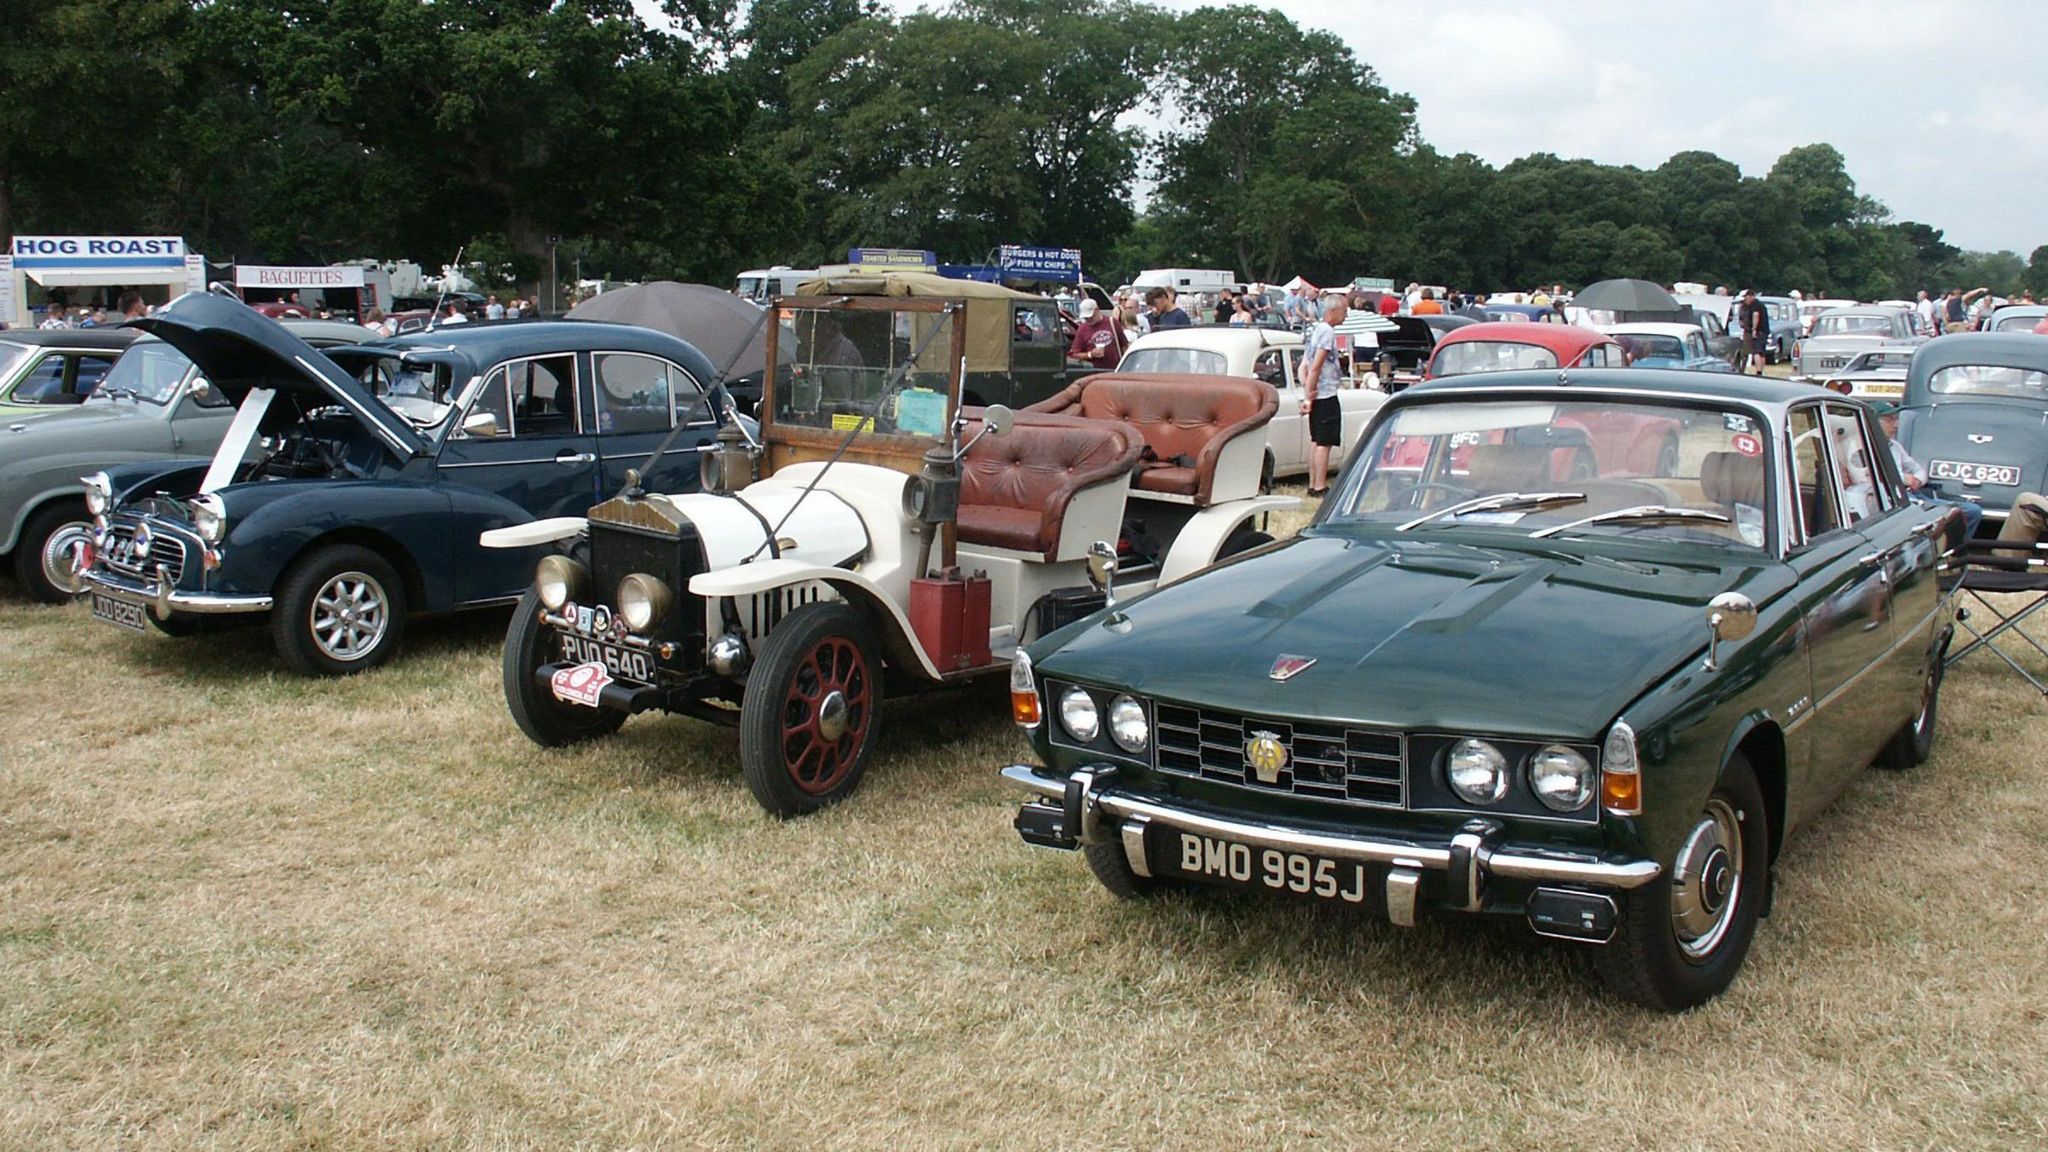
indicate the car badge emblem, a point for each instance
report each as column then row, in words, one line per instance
column 1980, row 438
column 1288, row 667
column 1266, row 755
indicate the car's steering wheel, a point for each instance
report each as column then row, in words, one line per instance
column 1457, row 492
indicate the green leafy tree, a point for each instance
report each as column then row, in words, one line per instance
column 1283, row 151
column 2036, row 278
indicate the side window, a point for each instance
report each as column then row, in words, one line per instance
column 642, row 394
column 543, row 396
column 493, row 400
column 1813, row 484
column 1866, row 490
column 91, row 370
column 1271, row 367
column 43, row 384
column 1036, row 324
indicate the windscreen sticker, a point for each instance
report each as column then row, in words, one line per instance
column 848, row 421
column 1736, row 422
column 921, row 412
column 1747, row 445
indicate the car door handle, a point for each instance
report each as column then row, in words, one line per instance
column 1873, row 559
column 567, row 457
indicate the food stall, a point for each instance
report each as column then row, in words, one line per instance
column 93, row 270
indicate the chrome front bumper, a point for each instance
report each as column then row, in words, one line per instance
column 161, row 599
column 1097, row 813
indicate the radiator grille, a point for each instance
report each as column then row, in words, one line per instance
column 1325, row 761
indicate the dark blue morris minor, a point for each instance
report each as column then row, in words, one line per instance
column 352, row 486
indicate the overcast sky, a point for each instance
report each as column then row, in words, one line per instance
column 1939, row 106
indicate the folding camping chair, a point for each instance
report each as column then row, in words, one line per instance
column 2004, row 569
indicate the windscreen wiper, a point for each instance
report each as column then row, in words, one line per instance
column 1501, row 502
column 1640, row 514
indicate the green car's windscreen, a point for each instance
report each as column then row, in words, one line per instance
column 1598, row 456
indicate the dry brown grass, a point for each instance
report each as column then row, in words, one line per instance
column 241, row 910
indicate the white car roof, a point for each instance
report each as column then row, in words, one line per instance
column 1221, row 338
column 1649, row 328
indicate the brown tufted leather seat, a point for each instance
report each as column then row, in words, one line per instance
column 1015, row 488
column 1179, row 415
column 1732, row 478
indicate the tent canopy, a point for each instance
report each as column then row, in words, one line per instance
column 716, row 322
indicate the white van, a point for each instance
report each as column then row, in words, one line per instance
column 764, row 284
column 1188, row 280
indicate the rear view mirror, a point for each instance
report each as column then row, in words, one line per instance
column 998, row 419
column 482, row 425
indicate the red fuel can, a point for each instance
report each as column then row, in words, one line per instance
column 950, row 614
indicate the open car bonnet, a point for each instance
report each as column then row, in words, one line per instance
column 239, row 349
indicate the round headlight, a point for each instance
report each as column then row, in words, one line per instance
column 643, row 601
column 1127, row 724
column 209, row 517
column 99, row 493
column 1078, row 715
column 1561, row 778
column 558, row 580
column 1477, row 771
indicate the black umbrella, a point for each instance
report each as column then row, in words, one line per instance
column 713, row 320
column 1625, row 296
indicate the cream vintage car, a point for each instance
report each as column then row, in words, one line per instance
column 1271, row 355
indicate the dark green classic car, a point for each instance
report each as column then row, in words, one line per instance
column 1580, row 648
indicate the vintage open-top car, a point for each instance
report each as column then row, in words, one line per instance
column 1975, row 416
column 891, row 538
column 351, row 486
column 1597, row 702
column 1267, row 354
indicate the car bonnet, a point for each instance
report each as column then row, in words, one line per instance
column 239, row 349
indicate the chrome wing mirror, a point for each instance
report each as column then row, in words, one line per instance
column 1730, row 617
column 1102, row 570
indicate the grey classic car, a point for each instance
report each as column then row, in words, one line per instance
column 2016, row 318
column 1838, row 335
column 45, row 371
column 150, row 404
column 1976, row 417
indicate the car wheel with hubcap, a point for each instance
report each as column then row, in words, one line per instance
column 546, row 721
column 1912, row 744
column 1683, row 936
column 340, row 609
column 808, row 715
column 43, row 555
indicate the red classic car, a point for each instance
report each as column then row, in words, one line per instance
column 1577, row 448
column 1503, row 346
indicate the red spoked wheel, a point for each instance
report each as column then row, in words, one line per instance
column 809, row 713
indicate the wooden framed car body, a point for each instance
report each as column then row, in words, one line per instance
column 1597, row 700
column 877, row 534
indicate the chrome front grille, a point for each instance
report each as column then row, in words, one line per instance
column 123, row 555
column 1323, row 761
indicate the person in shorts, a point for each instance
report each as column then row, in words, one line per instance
column 1321, row 375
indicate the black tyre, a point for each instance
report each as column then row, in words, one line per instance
column 810, row 710
column 1911, row 745
column 340, row 609
column 1244, row 539
column 1113, row 869
column 1667, row 458
column 42, row 557
column 546, row 721
column 1683, row 936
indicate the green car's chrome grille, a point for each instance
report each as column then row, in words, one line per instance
column 1323, row 761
